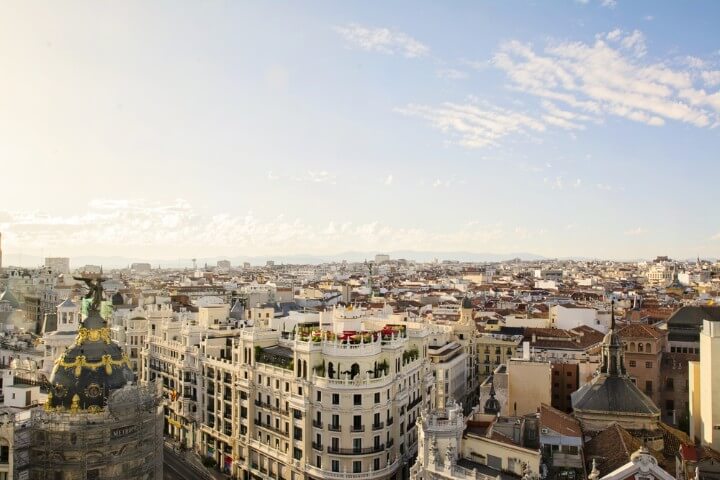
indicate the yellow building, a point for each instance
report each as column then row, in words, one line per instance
column 704, row 383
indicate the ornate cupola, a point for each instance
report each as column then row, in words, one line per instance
column 612, row 350
column 611, row 396
column 91, row 368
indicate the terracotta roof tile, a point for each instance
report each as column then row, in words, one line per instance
column 559, row 422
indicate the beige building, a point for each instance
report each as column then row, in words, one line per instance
column 704, row 383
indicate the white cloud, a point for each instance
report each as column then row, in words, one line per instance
column 451, row 74
column 272, row 177
column 388, row 180
column 474, row 125
column 322, row 176
column 608, row 3
column 121, row 227
column 694, row 62
column 608, row 77
column 648, row 18
column 635, row 232
column 711, row 77
column 382, row 40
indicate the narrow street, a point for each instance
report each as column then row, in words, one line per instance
column 177, row 467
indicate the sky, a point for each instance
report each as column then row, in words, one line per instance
column 175, row 129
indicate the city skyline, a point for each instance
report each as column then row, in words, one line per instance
column 574, row 129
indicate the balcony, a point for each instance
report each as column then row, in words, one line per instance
column 317, row 446
column 386, row 472
column 390, row 421
column 378, row 426
column 258, row 403
column 317, row 424
column 356, row 451
column 357, row 428
column 334, row 428
column 390, row 443
column 414, row 403
column 271, row 428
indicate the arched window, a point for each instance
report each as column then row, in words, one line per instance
column 640, row 347
column 631, row 347
column 331, row 370
column 354, row 370
column 648, row 348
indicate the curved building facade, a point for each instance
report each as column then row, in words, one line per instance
column 97, row 423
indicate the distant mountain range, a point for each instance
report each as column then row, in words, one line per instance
column 299, row 259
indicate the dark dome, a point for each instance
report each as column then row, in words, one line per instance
column 92, row 368
column 492, row 405
column 118, row 299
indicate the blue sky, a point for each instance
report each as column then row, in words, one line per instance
column 567, row 128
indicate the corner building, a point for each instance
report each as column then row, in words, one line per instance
column 316, row 403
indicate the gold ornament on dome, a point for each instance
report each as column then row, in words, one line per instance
column 93, row 390
column 93, row 335
column 60, row 390
column 81, row 362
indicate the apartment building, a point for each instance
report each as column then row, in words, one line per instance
column 644, row 346
column 306, row 403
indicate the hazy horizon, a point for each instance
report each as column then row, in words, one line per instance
column 582, row 128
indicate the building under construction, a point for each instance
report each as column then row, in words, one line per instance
column 97, row 423
column 122, row 442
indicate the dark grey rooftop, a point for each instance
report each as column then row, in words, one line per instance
column 693, row 316
column 610, row 393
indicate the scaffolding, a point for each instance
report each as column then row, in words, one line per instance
column 123, row 441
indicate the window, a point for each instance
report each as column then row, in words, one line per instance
column 670, row 384
column 297, row 454
column 357, row 466
column 669, row 405
column 335, row 466
column 318, row 461
column 569, row 374
column 632, row 363
column 297, row 433
column 376, row 464
column 648, row 386
column 318, row 396
column 377, row 397
column 336, row 399
column 357, row 399
column 336, row 421
column 357, row 444
column 648, row 364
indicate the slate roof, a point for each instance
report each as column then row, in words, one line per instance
column 7, row 296
column 609, row 393
column 693, row 316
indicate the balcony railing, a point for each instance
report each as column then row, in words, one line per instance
column 357, row 428
column 414, row 403
column 390, row 421
column 378, row 426
column 356, row 451
column 317, row 424
column 258, row 403
column 317, row 446
column 334, row 428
